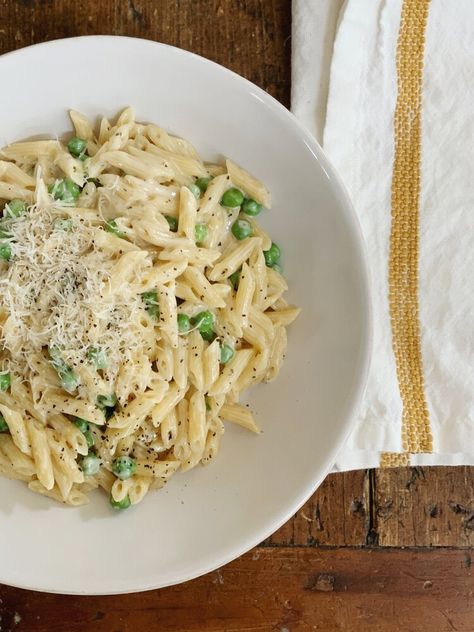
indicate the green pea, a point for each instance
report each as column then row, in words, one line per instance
column 98, row 357
column 90, row 464
column 235, row 278
column 73, row 190
column 203, row 320
column 77, row 147
column 3, row 424
column 84, row 427
column 15, row 208
column 251, row 207
column 5, row 251
column 150, row 297
column 172, row 222
column 69, row 381
column 184, row 324
column 107, row 401
column 200, row 233
column 272, row 255
column 111, row 227
column 55, row 353
column 64, row 224
column 57, row 361
column 81, row 424
column 65, row 190
column 241, row 229
column 124, row 467
column 89, row 438
column 5, row 381
column 207, row 333
column 232, row 198
column 120, row 504
column 195, row 190
column 203, row 183
column 107, row 404
column 151, row 304
column 227, row 353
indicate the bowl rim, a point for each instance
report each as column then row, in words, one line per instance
column 360, row 381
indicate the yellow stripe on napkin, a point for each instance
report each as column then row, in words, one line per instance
column 405, row 234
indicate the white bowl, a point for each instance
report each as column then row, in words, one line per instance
column 211, row 515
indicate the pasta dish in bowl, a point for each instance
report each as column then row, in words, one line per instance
column 139, row 297
column 148, row 288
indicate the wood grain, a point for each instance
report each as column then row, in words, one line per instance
column 282, row 589
column 251, row 37
column 424, row 506
column 337, row 515
column 414, row 506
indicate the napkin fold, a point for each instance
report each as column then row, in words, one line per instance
column 399, row 124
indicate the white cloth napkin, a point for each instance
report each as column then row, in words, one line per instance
column 359, row 139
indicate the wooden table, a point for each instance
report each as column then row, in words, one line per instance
column 372, row 550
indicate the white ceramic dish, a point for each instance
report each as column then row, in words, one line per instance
column 209, row 516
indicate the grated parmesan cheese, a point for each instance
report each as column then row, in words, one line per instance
column 56, row 293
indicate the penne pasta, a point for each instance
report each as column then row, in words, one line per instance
column 134, row 311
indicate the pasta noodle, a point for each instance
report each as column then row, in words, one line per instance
column 138, row 298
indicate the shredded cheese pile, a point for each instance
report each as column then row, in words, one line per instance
column 55, row 292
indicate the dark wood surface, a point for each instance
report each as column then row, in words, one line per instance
column 282, row 589
column 378, row 550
